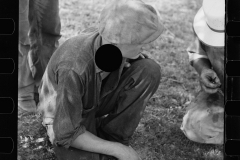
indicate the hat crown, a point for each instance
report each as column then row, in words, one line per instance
column 130, row 22
column 214, row 11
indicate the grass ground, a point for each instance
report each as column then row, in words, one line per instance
column 158, row 136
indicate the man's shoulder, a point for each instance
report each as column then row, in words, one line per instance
column 77, row 51
column 84, row 39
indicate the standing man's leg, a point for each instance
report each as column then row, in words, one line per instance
column 41, row 20
column 25, row 80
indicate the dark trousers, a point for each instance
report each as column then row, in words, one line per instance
column 39, row 31
column 124, row 108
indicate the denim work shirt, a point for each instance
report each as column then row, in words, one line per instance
column 71, row 86
column 214, row 54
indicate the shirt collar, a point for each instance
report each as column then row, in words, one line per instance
column 97, row 44
column 113, row 80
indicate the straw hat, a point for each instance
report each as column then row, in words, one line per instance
column 130, row 22
column 209, row 22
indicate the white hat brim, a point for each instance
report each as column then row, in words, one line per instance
column 205, row 34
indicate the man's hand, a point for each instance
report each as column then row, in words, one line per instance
column 128, row 153
column 209, row 81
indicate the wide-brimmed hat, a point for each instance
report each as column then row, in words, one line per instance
column 209, row 23
column 130, row 22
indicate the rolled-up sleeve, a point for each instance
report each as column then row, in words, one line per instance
column 195, row 51
column 67, row 123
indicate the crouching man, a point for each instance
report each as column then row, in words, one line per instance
column 204, row 120
column 90, row 113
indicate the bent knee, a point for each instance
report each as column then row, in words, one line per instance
column 149, row 67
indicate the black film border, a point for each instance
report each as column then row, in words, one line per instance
column 232, row 81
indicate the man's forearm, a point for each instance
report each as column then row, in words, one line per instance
column 200, row 64
column 89, row 142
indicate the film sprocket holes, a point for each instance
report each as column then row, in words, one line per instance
column 232, row 86
column 8, row 78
